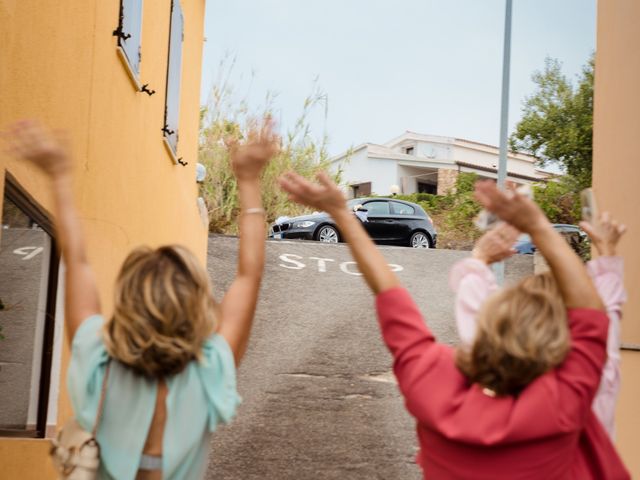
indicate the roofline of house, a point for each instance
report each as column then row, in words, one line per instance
column 352, row 150
column 461, row 142
column 495, row 170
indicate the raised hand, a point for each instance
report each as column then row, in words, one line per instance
column 250, row 157
column 324, row 196
column 496, row 244
column 605, row 234
column 513, row 208
column 29, row 140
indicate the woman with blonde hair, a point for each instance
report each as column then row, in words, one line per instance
column 520, row 408
column 479, row 301
column 159, row 374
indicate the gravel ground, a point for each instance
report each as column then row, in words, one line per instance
column 319, row 399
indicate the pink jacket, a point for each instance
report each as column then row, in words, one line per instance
column 473, row 281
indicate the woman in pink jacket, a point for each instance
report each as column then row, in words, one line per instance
column 522, row 407
column 474, row 282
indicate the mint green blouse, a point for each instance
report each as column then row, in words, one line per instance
column 199, row 398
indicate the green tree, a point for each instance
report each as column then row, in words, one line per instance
column 557, row 121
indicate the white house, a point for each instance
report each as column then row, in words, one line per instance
column 414, row 162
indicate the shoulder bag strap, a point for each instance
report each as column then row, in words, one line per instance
column 101, row 404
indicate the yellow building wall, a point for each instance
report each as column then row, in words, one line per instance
column 616, row 173
column 58, row 63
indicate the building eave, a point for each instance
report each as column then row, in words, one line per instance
column 482, row 168
column 457, row 142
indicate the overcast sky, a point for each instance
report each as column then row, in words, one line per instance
column 430, row 66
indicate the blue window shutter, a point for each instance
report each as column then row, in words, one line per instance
column 174, row 72
column 131, row 25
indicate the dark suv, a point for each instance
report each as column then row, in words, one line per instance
column 387, row 220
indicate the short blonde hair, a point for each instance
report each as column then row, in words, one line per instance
column 164, row 311
column 522, row 333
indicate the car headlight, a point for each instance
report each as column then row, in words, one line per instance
column 303, row 224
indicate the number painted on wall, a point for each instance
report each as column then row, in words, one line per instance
column 28, row 253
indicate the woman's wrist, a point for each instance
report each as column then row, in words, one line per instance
column 542, row 226
column 248, row 180
column 478, row 254
column 250, row 194
column 339, row 214
column 606, row 250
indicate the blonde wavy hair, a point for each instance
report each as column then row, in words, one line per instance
column 521, row 333
column 164, row 311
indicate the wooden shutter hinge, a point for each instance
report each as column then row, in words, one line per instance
column 145, row 89
column 118, row 32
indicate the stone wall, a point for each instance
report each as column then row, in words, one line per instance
column 446, row 180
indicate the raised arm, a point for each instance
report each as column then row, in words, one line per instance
column 30, row 141
column 326, row 196
column 573, row 280
column 473, row 281
column 239, row 303
column 607, row 274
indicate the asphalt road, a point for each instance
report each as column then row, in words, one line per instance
column 319, row 399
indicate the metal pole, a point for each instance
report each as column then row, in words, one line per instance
column 504, row 117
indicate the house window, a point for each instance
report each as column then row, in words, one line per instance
column 129, row 33
column 361, row 190
column 408, row 150
column 174, row 72
column 28, row 284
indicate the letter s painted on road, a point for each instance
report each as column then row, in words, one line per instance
column 289, row 258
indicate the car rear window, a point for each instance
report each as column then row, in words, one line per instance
column 377, row 208
column 403, row 209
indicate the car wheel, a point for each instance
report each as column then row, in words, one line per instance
column 327, row 234
column 419, row 240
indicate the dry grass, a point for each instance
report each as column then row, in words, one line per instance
column 224, row 116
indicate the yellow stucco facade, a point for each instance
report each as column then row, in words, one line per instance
column 616, row 172
column 59, row 63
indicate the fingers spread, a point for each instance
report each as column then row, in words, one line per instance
column 230, row 142
column 622, row 228
column 587, row 227
column 488, row 195
column 268, row 126
column 294, row 183
column 324, row 180
column 287, row 183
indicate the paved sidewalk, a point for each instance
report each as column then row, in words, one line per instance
column 320, row 401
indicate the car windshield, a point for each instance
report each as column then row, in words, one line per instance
column 353, row 202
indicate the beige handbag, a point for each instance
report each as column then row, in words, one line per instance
column 75, row 452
